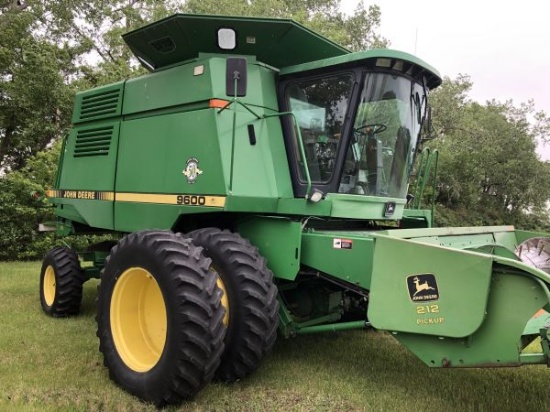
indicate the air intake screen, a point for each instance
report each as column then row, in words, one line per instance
column 93, row 142
column 100, row 105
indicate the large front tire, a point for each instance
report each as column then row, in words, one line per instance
column 251, row 300
column 61, row 280
column 160, row 318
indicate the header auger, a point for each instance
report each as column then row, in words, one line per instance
column 259, row 176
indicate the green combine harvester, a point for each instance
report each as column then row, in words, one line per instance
column 259, row 175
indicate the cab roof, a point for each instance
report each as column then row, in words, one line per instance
column 276, row 42
column 280, row 43
column 394, row 60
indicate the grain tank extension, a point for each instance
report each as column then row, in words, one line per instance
column 259, row 175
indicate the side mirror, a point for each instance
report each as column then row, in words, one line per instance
column 235, row 77
column 429, row 124
column 426, row 130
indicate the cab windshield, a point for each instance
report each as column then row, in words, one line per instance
column 372, row 157
column 384, row 135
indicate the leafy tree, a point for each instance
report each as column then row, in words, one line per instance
column 21, row 209
column 20, row 217
column 357, row 32
column 48, row 50
column 95, row 29
column 34, row 101
column 488, row 165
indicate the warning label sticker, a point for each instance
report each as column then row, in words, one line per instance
column 342, row 243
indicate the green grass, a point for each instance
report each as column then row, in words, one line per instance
column 54, row 365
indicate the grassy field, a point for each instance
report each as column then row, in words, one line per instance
column 54, row 365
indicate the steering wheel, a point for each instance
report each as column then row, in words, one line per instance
column 371, row 129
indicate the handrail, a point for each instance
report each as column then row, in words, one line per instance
column 300, row 145
column 428, row 159
column 300, row 141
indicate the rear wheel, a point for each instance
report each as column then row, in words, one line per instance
column 160, row 318
column 252, row 304
column 61, row 280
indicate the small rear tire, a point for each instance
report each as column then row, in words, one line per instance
column 61, row 280
column 159, row 319
column 251, row 300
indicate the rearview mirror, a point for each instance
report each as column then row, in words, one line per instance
column 235, row 77
column 427, row 127
column 429, row 124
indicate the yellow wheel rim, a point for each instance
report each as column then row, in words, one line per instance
column 48, row 286
column 225, row 300
column 138, row 319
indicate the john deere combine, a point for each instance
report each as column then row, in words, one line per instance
column 260, row 177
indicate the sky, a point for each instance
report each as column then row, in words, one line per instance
column 503, row 45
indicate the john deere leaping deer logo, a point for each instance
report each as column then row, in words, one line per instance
column 192, row 170
column 422, row 288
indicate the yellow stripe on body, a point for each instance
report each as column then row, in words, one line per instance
column 107, row 196
column 53, row 193
column 183, row 200
column 165, row 199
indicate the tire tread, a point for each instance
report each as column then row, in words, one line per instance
column 251, row 337
column 198, row 315
column 69, row 282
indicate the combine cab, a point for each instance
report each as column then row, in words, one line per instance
column 259, row 176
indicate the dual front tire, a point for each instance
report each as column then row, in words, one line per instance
column 160, row 317
column 175, row 311
column 251, row 300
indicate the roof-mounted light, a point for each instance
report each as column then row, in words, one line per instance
column 382, row 62
column 398, row 65
column 227, row 39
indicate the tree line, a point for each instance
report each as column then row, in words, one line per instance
column 490, row 172
column 50, row 49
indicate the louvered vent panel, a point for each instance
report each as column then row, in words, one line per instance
column 100, row 105
column 93, row 142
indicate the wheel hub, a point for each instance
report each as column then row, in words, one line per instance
column 49, row 285
column 138, row 319
column 225, row 299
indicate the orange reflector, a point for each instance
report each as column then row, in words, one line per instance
column 218, row 103
column 539, row 313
